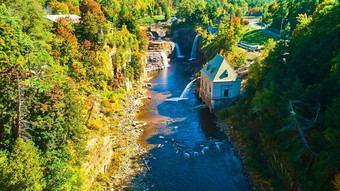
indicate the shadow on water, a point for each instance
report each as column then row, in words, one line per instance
column 190, row 153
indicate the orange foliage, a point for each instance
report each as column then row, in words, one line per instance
column 236, row 20
column 94, row 8
column 69, row 43
column 86, row 45
column 246, row 21
column 256, row 10
column 59, row 8
column 336, row 182
column 73, row 9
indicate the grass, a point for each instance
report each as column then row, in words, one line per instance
column 151, row 20
column 256, row 36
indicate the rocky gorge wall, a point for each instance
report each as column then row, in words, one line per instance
column 155, row 60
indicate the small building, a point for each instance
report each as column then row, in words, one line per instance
column 73, row 18
column 220, row 85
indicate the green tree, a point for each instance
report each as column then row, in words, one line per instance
column 291, row 100
column 11, row 65
column 4, row 179
column 25, row 167
column 167, row 13
column 229, row 33
column 130, row 22
column 58, row 7
column 31, row 17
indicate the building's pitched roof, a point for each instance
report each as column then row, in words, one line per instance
column 55, row 17
column 219, row 70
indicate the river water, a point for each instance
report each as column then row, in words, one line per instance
column 189, row 152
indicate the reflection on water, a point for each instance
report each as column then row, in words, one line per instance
column 190, row 152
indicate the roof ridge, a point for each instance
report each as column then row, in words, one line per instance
column 219, row 69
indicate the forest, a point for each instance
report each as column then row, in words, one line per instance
column 61, row 83
column 289, row 108
column 59, row 86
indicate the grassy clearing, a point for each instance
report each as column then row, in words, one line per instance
column 256, row 36
column 151, row 20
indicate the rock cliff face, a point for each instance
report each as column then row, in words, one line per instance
column 159, row 46
column 155, row 61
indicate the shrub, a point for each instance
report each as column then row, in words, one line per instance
column 135, row 165
column 246, row 21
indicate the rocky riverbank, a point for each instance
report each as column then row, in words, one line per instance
column 239, row 149
column 127, row 151
column 115, row 158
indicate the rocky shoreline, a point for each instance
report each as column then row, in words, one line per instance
column 126, row 147
column 239, row 151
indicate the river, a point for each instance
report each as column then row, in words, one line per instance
column 189, row 151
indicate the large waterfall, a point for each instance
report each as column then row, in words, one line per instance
column 193, row 54
column 178, row 51
column 165, row 59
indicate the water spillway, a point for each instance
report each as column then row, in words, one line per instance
column 187, row 88
column 194, row 154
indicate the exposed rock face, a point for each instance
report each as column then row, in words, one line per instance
column 184, row 38
column 159, row 46
column 155, row 62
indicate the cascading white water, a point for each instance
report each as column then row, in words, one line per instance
column 193, row 54
column 184, row 93
column 165, row 59
column 178, row 51
column 186, row 90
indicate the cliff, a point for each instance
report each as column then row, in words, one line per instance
column 155, row 60
column 158, row 46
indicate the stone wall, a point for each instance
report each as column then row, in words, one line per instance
column 217, row 104
column 203, row 92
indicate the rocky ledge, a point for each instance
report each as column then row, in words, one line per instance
column 155, row 62
column 156, row 51
column 158, row 46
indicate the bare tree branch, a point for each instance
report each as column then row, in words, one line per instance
column 19, row 108
column 293, row 115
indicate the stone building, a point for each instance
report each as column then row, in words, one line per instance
column 220, row 85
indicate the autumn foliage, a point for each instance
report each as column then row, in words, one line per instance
column 246, row 21
column 58, row 7
column 90, row 6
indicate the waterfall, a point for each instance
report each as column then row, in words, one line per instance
column 165, row 59
column 193, row 54
column 186, row 90
column 178, row 51
column 184, row 93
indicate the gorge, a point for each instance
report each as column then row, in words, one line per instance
column 188, row 151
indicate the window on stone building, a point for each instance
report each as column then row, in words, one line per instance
column 226, row 93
